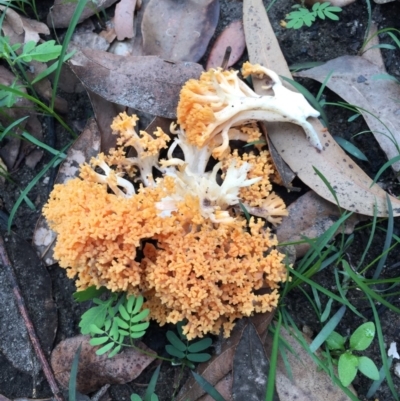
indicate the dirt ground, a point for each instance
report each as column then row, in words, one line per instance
column 325, row 40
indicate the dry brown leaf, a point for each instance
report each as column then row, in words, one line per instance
column 144, row 83
column 219, row 367
column 179, row 30
column 353, row 187
column 123, row 19
column 61, row 13
column 353, row 80
column 20, row 29
column 309, row 382
column 96, row 370
column 2, row 398
column 83, row 149
column 233, row 36
column 310, row 216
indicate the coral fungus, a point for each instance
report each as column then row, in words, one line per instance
column 180, row 239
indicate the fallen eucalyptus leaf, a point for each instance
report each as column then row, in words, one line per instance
column 353, row 187
column 310, row 216
column 179, row 30
column 61, row 13
column 144, row 83
column 250, row 367
column 35, row 285
column 353, row 80
column 232, row 36
column 219, row 367
column 96, row 370
column 83, row 149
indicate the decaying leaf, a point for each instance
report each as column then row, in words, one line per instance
column 250, row 367
column 123, row 19
column 310, row 216
column 179, row 30
column 219, row 367
column 96, row 370
column 2, row 398
column 357, row 81
column 83, row 149
column 144, row 83
column 309, row 382
column 61, row 13
column 353, row 187
column 232, row 36
column 35, row 285
column 372, row 52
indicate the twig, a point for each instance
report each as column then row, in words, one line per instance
column 100, row 393
column 28, row 323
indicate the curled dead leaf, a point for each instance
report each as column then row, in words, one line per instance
column 96, row 370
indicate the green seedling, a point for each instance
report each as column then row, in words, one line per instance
column 149, row 394
column 303, row 16
column 111, row 322
column 349, row 363
column 186, row 352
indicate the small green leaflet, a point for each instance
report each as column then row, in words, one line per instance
column 44, row 52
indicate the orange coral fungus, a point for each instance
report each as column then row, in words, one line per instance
column 177, row 239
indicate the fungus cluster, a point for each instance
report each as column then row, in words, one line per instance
column 177, row 236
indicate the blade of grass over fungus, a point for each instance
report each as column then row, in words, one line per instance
column 310, row 97
column 388, row 240
column 365, row 288
column 207, row 387
column 71, row 28
column 270, row 393
column 327, row 329
column 382, row 349
column 34, row 181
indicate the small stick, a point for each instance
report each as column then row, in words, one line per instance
column 28, row 323
column 225, row 60
column 100, row 393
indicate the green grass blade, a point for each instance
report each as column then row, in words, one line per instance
column 388, row 240
column 382, row 349
column 42, row 145
column 152, row 385
column 371, row 237
column 207, row 387
column 71, row 28
column 11, row 126
column 350, row 148
column 25, row 192
column 384, row 167
column 73, row 375
column 273, row 362
column 365, row 288
column 327, row 329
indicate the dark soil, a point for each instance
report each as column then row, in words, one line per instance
column 325, row 40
